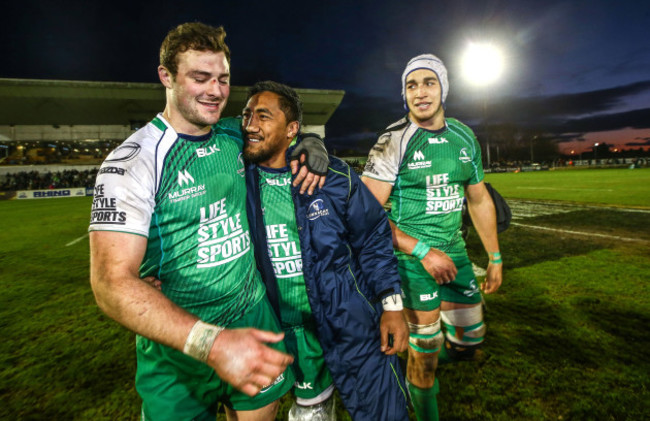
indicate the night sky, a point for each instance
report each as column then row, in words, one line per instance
column 577, row 71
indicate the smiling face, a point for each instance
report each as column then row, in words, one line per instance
column 423, row 97
column 267, row 133
column 198, row 93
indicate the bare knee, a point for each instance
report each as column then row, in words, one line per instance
column 421, row 368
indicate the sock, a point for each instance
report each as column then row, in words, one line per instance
column 443, row 356
column 425, row 402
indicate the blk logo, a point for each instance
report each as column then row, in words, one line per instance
column 304, row 385
column 428, row 297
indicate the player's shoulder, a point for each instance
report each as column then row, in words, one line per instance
column 338, row 166
column 228, row 125
column 340, row 180
column 131, row 167
column 457, row 125
column 140, row 146
column 396, row 128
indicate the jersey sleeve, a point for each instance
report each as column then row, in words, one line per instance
column 471, row 146
column 384, row 159
column 124, row 196
column 477, row 163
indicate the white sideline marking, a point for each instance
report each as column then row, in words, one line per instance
column 76, row 241
column 589, row 234
column 556, row 188
column 562, row 207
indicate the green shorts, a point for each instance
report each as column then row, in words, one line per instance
column 313, row 378
column 421, row 292
column 174, row 386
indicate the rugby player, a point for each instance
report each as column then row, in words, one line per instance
column 170, row 202
column 425, row 164
column 330, row 271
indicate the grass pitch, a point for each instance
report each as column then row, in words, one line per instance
column 567, row 336
column 615, row 187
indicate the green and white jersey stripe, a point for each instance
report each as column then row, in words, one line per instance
column 284, row 245
column 187, row 195
column 429, row 171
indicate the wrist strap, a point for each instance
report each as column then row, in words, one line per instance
column 420, row 250
column 200, row 340
column 393, row 303
column 495, row 258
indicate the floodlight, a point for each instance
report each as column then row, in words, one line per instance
column 482, row 63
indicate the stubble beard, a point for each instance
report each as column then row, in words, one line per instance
column 194, row 116
column 190, row 111
column 255, row 157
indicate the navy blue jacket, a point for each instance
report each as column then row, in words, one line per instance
column 348, row 266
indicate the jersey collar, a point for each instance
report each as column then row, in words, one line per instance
column 435, row 132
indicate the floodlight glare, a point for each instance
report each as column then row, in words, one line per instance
column 482, row 63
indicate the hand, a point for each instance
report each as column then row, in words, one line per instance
column 440, row 266
column 312, row 153
column 393, row 323
column 493, row 278
column 312, row 147
column 241, row 358
column 156, row 283
column 309, row 180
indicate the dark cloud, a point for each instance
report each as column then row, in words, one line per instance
column 562, row 106
column 646, row 142
column 637, row 119
column 569, row 137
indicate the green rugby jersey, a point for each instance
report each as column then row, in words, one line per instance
column 187, row 195
column 284, row 245
column 429, row 171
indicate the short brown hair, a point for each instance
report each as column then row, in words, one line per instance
column 192, row 36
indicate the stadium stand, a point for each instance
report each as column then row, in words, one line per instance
column 46, row 125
